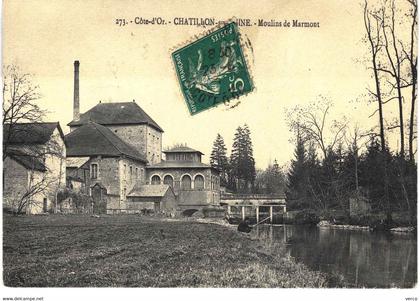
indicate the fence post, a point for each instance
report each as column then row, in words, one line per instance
column 271, row 214
column 243, row 213
column 257, row 211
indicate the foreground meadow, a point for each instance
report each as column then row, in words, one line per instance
column 136, row 251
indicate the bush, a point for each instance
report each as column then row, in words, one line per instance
column 336, row 217
column 306, row 217
column 372, row 220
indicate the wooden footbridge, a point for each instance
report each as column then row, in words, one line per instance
column 254, row 206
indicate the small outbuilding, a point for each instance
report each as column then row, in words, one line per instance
column 159, row 198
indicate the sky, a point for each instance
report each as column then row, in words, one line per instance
column 289, row 66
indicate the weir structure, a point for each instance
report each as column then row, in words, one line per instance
column 254, row 206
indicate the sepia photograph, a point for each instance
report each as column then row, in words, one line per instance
column 209, row 144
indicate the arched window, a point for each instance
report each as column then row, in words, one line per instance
column 199, row 182
column 155, row 180
column 168, row 180
column 186, row 182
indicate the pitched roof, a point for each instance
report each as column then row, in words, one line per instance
column 93, row 139
column 76, row 162
column 144, row 191
column 180, row 164
column 27, row 160
column 182, row 149
column 30, row 133
column 116, row 113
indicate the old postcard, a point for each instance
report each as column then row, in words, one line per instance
column 210, row 144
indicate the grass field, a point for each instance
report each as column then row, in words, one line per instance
column 135, row 251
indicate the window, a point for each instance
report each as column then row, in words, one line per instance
column 186, row 183
column 131, row 173
column 155, row 180
column 168, row 180
column 137, row 173
column 199, row 182
column 94, row 171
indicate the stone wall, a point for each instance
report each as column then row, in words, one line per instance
column 154, row 146
column 16, row 184
column 138, row 206
column 56, row 166
column 143, row 138
column 108, row 174
column 131, row 173
column 118, row 175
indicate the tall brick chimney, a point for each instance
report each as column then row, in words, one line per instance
column 76, row 101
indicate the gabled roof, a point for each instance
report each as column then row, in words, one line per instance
column 115, row 114
column 93, row 139
column 27, row 160
column 182, row 149
column 30, row 133
column 144, row 191
column 179, row 164
column 76, row 162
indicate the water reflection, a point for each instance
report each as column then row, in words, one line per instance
column 364, row 259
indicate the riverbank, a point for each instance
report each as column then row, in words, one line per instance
column 138, row 251
column 400, row 222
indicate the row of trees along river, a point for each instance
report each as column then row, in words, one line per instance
column 336, row 160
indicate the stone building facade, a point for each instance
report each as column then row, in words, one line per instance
column 110, row 162
column 35, row 167
column 196, row 184
column 122, row 145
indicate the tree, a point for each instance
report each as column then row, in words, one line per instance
column 373, row 174
column 219, row 160
column 248, row 156
column 19, row 102
column 352, row 159
column 394, row 54
column 37, row 186
column 394, row 61
column 275, row 179
column 41, row 181
column 313, row 124
column 242, row 162
column 271, row 180
column 411, row 56
column 297, row 176
column 373, row 37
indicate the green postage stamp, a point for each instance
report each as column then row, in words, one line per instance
column 212, row 69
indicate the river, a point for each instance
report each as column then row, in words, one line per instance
column 360, row 258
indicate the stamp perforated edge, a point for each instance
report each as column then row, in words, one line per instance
column 201, row 35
